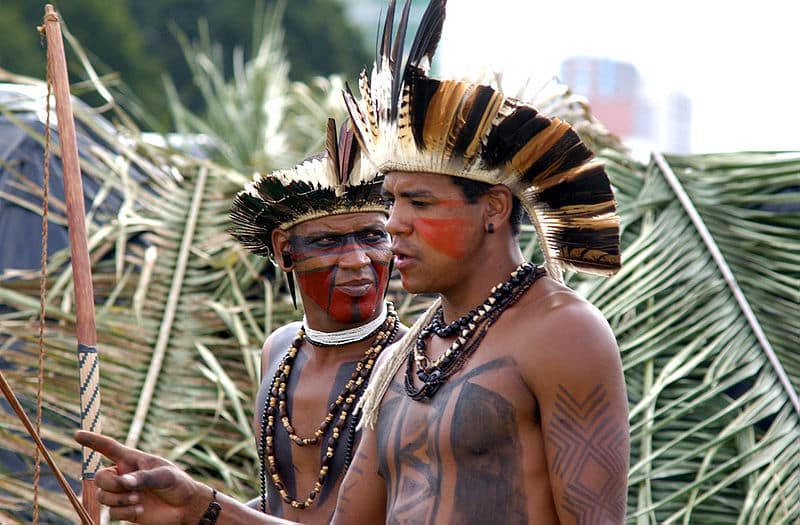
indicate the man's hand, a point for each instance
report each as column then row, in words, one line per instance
column 142, row 488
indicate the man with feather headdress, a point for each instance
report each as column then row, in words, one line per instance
column 506, row 401
column 323, row 223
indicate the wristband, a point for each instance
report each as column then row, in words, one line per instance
column 213, row 510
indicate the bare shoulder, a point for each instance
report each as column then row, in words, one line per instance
column 282, row 333
column 277, row 343
column 555, row 330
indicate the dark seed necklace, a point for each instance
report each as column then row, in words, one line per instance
column 470, row 330
column 275, row 408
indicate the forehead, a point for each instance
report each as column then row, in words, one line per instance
column 398, row 182
column 344, row 223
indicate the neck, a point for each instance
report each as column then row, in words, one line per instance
column 346, row 336
column 474, row 289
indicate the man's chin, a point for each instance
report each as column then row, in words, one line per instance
column 412, row 285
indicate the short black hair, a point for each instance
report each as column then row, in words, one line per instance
column 473, row 190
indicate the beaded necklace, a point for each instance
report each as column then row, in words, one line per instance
column 471, row 329
column 344, row 337
column 275, row 408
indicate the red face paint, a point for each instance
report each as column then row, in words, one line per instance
column 447, row 236
column 330, row 267
column 319, row 285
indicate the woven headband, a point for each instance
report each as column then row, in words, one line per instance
column 331, row 183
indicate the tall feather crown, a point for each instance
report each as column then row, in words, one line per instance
column 331, row 183
column 408, row 121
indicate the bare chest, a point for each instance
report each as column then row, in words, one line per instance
column 463, row 451
column 477, row 413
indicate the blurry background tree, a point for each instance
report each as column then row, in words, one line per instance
column 137, row 41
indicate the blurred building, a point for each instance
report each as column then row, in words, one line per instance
column 617, row 95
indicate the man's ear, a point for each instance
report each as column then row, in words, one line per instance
column 499, row 204
column 280, row 247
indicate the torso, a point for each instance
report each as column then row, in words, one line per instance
column 312, row 387
column 475, row 452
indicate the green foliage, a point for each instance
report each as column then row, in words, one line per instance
column 116, row 42
column 135, row 39
column 20, row 48
column 715, row 431
column 715, row 436
column 321, row 41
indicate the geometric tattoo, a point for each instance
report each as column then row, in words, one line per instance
column 588, row 442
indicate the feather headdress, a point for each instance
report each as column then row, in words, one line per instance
column 331, row 183
column 408, row 121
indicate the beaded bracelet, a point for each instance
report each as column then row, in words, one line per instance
column 213, row 510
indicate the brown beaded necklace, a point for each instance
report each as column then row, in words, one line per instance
column 275, row 405
column 470, row 328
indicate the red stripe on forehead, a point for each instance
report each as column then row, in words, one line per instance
column 447, row 236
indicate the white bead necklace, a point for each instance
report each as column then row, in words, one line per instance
column 344, row 337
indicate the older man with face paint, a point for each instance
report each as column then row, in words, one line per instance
column 505, row 402
column 324, row 223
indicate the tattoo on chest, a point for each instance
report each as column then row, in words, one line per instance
column 489, row 485
column 587, row 441
column 480, row 436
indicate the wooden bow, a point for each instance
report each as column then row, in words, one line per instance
column 88, row 361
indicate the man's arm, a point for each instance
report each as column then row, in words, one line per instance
column 362, row 496
column 277, row 341
column 576, row 375
column 147, row 489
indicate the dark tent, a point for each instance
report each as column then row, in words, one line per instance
column 22, row 174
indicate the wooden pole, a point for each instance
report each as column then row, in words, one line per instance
column 26, row 422
column 79, row 248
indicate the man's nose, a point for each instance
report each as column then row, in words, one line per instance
column 397, row 224
column 354, row 259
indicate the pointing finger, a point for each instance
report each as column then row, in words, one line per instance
column 105, row 445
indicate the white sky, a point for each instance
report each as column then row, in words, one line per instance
column 739, row 62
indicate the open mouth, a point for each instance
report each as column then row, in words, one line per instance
column 401, row 258
column 402, row 261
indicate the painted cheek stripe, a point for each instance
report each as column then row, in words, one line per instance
column 447, row 236
column 319, row 285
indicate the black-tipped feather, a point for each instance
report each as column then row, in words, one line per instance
column 422, row 90
column 477, row 107
column 386, row 39
column 397, row 62
column 429, row 33
column 591, row 187
column 556, row 157
column 516, row 130
column 347, row 151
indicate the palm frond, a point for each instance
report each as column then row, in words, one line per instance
column 708, row 411
column 246, row 110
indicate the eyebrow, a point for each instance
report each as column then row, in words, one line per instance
column 409, row 194
column 333, row 233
